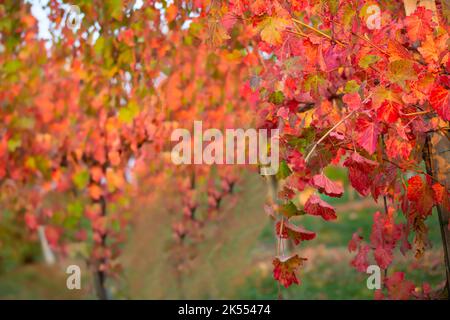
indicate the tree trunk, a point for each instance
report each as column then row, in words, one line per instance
column 47, row 252
column 437, row 160
column 99, row 284
column 436, row 154
column 99, row 274
column 272, row 194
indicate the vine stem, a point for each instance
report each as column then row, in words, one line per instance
column 416, row 113
column 334, row 128
column 318, row 31
column 327, row 134
column 100, row 275
column 427, row 151
column 371, row 43
column 280, row 239
column 386, row 208
column 359, row 36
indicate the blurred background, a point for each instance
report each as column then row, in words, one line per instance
column 228, row 253
column 233, row 260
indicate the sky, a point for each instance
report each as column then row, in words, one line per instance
column 40, row 11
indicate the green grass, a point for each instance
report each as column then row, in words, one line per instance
column 331, row 276
column 338, row 233
column 38, row 281
column 233, row 259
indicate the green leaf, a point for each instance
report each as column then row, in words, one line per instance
column 81, row 179
column 115, row 9
column 128, row 113
column 276, row 97
column 31, row 163
column 290, row 209
column 293, row 64
column 14, row 143
column 99, row 45
column 333, row 5
column 12, row 66
column 70, row 222
column 24, row 123
column 43, row 165
column 75, row 208
column 195, row 29
column 314, row 82
column 401, row 70
column 271, row 28
column 283, row 170
column 368, row 60
column 126, row 57
column 115, row 225
column 351, row 87
column 296, row 142
column 348, row 16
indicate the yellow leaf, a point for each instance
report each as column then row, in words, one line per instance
column 431, row 48
column 171, row 12
column 271, row 29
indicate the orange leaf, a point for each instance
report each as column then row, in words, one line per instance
column 95, row 192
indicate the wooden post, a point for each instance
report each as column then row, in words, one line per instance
column 437, row 160
column 411, row 5
column 49, row 256
column 436, row 154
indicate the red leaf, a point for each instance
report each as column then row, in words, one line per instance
column 385, row 232
column 359, row 180
column 285, row 268
column 420, row 195
column 359, row 162
column 438, row 193
column 440, row 101
column 415, row 186
column 398, row 287
column 229, row 20
column 127, row 36
column 388, row 111
column 95, row 192
column 418, row 25
column 378, row 295
column 368, row 134
column 317, row 207
column 354, row 242
column 286, row 193
column 396, row 147
column 31, row 221
column 325, row 185
column 397, row 50
column 283, row 113
column 361, row 262
column 297, row 161
column 383, row 257
column 52, row 234
column 296, row 233
column 353, row 100
column 359, row 169
column 441, row 196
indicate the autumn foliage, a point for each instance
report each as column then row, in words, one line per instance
column 86, row 114
column 342, row 92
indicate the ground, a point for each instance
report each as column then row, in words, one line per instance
column 234, row 259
